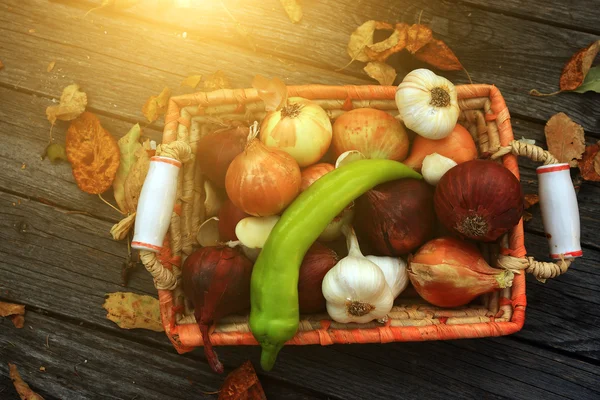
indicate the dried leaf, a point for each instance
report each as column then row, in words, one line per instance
column 242, row 383
column 418, row 36
column 8, row 309
column 133, row 311
column 120, row 230
column 576, row 69
column 1, row 64
column 360, row 39
column 156, row 105
column 51, row 66
column 565, row 139
column 527, row 216
column 590, row 163
column 437, row 54
column 23, row 389
column 218, row 80
column 72, row 104
column 272, row 91
column 55, row 152
column 531, row 200
column 135, row 179
column 381, row 72
column 192, row 81
column 128, row 147
column 18, row 321
column 93, row 154
column 395, row 43
column 292, row 9
column 591, row 83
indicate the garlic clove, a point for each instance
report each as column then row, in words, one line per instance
column 253, row 232
column 334, row 229
column 435, row 166
column 208, row 233
column 348, row 157
column 395, row 272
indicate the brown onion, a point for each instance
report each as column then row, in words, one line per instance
column 479, row 200
column 396, row 217
column 318, row 260
column 229, row 216
column 312, row 173
column 374, row 133
column 449, row 272
column 217, row 150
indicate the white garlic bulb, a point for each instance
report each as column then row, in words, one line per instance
column 395, row 272
column 435, row 166
column 355, row 288
column 428, row 104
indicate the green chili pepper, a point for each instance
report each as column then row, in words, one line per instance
column 274, row 314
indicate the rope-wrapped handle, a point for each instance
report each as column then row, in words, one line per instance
column 541, row 270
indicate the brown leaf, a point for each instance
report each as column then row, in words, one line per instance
column 1, row 64
column 272, row 91
column 218, row 80
column 23, row 389
column 51, row 66
column 192, row 81
column 360, row 39
column 437, row 54
column 93, row 154
column 590, row 163
column 395, row 43
column 565, row 139
column 381, row 72
column 135, row 179
column 156, row 105
column 242, row 384
column 527, row 216
column 577, row 67
column 133, row 311
column 14, row 311
column 292, row 9
column 72, row 104
column 418, row 36
column 128, row 147
column 531, row 200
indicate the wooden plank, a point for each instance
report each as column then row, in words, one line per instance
column 119, row 73
column 514, row 54
column 575, row 15
column 82, row 362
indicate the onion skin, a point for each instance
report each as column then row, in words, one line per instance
column 217, row 281
column 458, row 146
column 301, row 128
column 479, row 200
column 217, row 150
column 229, row 216
column 312, row 173
column 374, row 133
column 396, row 217
column 449, row 272
column 318, row 260
column 262, row 181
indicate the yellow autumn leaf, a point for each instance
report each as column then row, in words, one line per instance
column 292, row 9
column 135, row 179
column 381, row 72
column 128, row 146
column 156, row 105
column 133, row 311
column 192, row 81
column 72, row 104
column 22, row 388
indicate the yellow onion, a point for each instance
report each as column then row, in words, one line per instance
column 301, row 128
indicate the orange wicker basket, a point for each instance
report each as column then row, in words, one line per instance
column 483, row 112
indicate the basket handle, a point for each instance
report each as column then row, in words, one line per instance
column 560, row 213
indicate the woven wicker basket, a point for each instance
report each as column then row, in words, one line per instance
column 483, row 112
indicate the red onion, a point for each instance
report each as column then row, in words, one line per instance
column 318, row 260
column 217, row 281
column 479, row 200
column 396, row 217
column 216, row 150
column 449, row 272
column 229, row 216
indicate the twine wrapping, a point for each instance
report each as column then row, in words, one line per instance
column 541, row 270
column 531, row 151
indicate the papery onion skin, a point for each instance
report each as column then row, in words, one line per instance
column 216, row 151
column 448, row 272
column 319, row 259
column 479, row 200
column 458, row 146
column 312, row 173
column 396, row 217
column 229, row 216
column 301, row 128
column 262, row 181
column 374, row 133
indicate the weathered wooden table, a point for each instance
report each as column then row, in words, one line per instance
column 57, row 257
